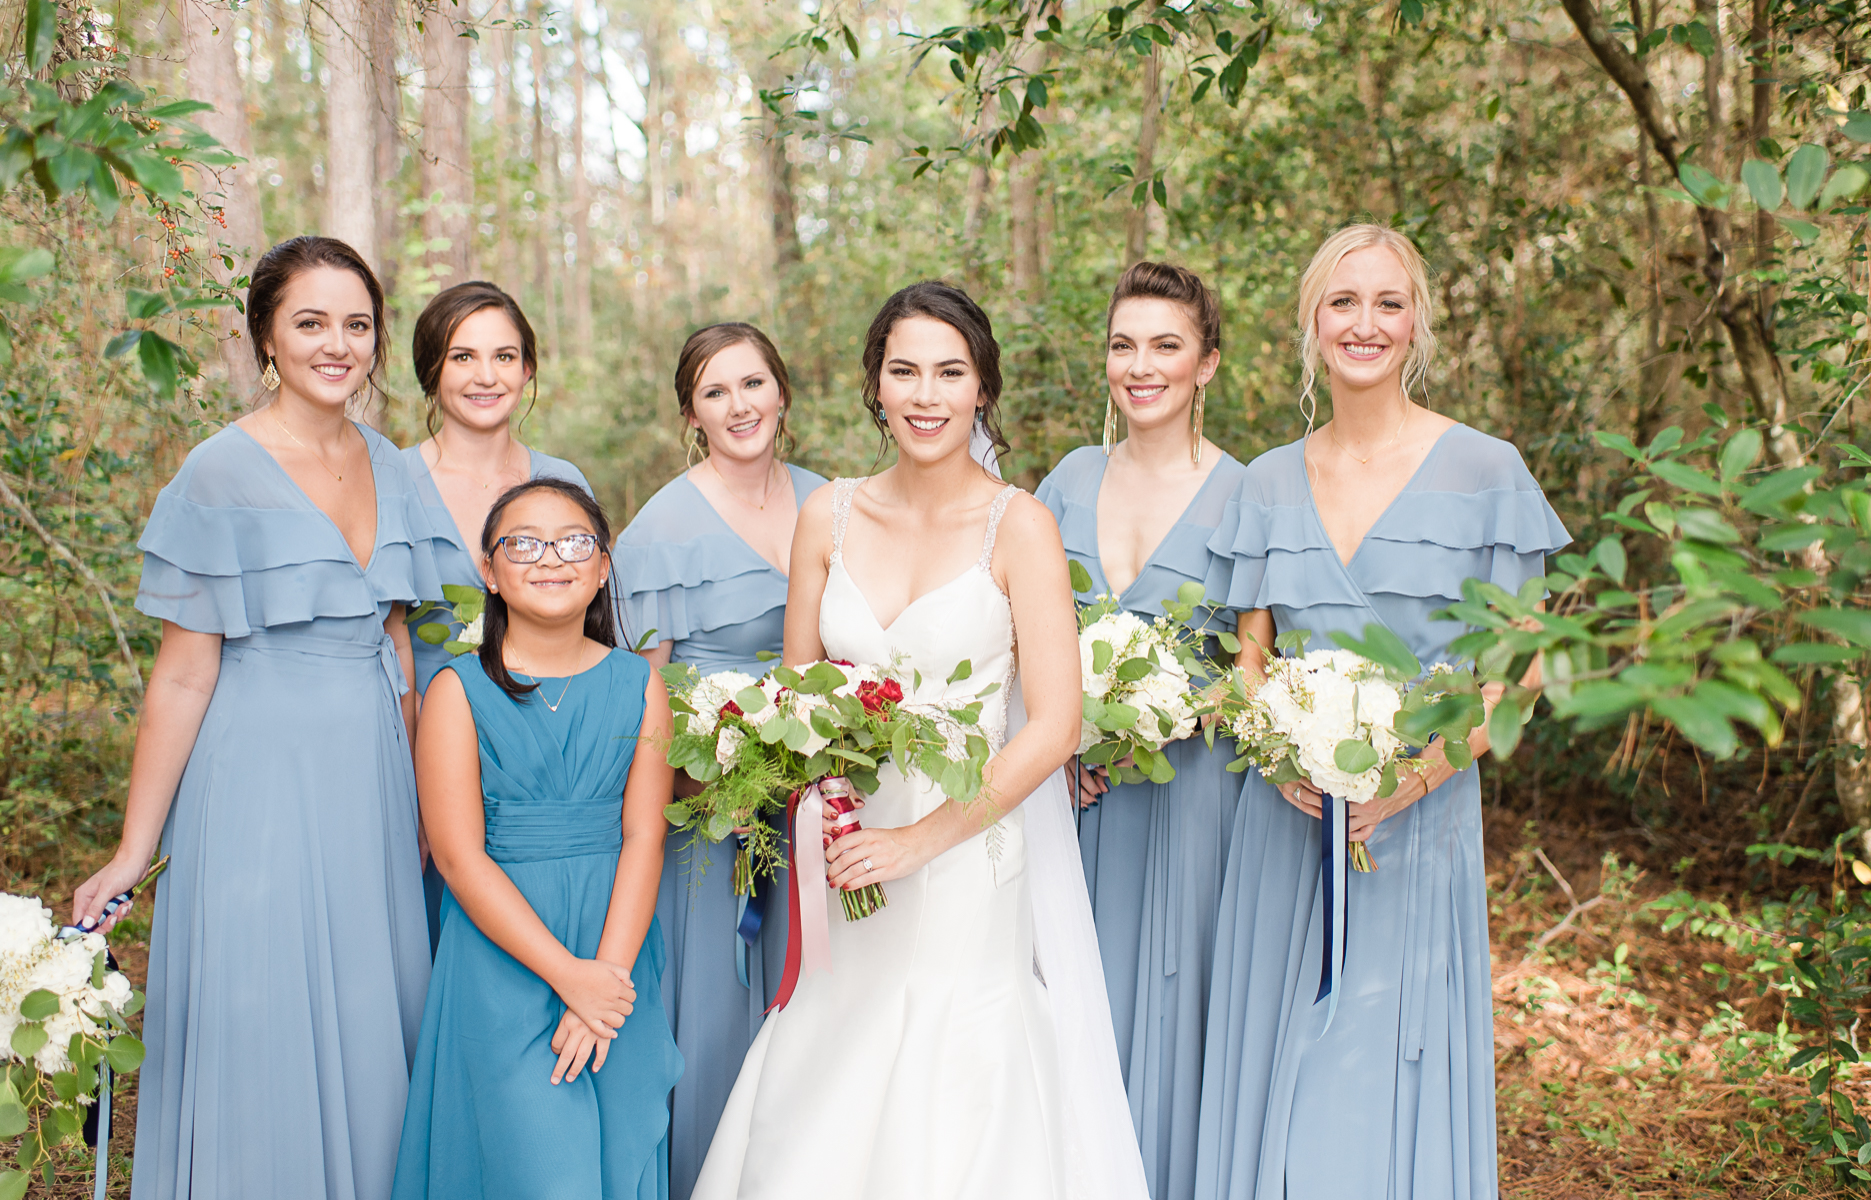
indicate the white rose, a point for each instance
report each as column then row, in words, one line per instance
column 25, row 924
column 471, row 634
column 729, row 744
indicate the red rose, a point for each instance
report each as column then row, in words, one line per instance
column 876, row 696
column 731, row 709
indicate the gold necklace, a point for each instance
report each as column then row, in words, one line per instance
column 1333, row 430
column 553, row 705
column 764, row 496
column 281, row 422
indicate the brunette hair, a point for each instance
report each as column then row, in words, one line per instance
column 953, row 307
column 285, row 262
column 1312, row 286
column 701, row 349
column 435, row 329
column 600, row 624
column 1178, row 285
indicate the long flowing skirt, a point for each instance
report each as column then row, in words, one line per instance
column 1154, row 856
column 289, row 954
column 922, row 1066
column 1397, row 1098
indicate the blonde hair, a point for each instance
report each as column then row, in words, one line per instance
column 1312, row 290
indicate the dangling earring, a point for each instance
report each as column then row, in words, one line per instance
column 694, row 441
column 779, row 434
column 1110, row 424
column 1195, row 424
column 269, row 378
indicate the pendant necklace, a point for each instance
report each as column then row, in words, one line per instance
column 553, row 705
column 287, row 430
column 498, row 471
column 1333, row 430
column 764, row 496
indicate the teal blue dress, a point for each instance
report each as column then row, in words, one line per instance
column 287, row 957
column 484, row 1118
column 1396, row 1099
column 687, row 576
column 457, row 560
column 1154, row 853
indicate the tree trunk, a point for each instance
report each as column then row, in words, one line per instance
column 447, row 170
column 546, row 255
column 507, row 255
column 1137, row 221
column 1024, row 174
column 351, row 131
column 580, row 299
column 389, row 143
column 1714, row 78
column 214, row 76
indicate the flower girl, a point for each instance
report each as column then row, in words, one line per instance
column 542, row 783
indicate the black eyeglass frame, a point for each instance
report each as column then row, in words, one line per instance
column 589, row 540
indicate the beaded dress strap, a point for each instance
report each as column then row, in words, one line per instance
column 994, row 513
column 842, row 490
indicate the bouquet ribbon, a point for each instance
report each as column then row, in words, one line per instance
column 808, row 941
column 1333, row 851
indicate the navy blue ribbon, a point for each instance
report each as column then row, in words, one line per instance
column 1333, row 848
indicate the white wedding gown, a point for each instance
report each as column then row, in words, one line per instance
column 961, row 1045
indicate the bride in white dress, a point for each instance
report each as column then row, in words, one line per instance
column 961, row 1045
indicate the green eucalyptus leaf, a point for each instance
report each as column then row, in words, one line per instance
column 38, row 1004
column 1763, row 183
column 1081, row 578
column 1806, row 173
column 1101, row 653
column 1354, row 756
column 13, row 1119
column 28, row 1038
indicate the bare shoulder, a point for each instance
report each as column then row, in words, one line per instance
column 1028, row 527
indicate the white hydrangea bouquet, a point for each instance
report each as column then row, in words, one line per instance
column 755, row 743
column 1347, row 720
column 1143, row 682
column 63, row 1012
column 461, row 607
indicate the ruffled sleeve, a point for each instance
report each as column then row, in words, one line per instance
column 232, row 546
column 682, row 572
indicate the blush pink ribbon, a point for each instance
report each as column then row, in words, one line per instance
column 808, row 942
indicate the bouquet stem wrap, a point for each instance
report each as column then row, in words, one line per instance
column 868, row 899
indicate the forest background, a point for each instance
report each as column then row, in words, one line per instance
column 1649, row 237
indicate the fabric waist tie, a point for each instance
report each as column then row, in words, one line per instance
column 267, row 641
column 539, row 832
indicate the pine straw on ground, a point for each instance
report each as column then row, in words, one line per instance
column 1609, row 1081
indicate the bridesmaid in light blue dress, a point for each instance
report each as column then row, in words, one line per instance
column 1377, row 517
column 543, row 795
column 1153, row 853
column 287, row 956
column 474, row 354
column 703, row 579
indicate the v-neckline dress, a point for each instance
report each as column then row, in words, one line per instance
column 934, row 1060
column 287, row 959
column 1153, row 853
column 685, row 574
column 1397, row 1098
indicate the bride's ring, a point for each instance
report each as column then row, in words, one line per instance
column 868, row 866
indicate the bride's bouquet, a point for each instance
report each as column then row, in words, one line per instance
column 1142, row 682
column 63, row 1013
column 757, row 744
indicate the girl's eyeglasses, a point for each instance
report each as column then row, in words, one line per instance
column 572, row 548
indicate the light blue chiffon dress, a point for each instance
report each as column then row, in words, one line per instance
column 1154, row 853
column 288, row 958
column 457, row 560
column 1397, row 1098
column 689, row 577
column 485, row 1119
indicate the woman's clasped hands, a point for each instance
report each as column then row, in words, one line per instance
column 598, row 995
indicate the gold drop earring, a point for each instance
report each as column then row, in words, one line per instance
column 1110, row 423
column 269, row 378
column 1195, row 424
column 694, row 441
